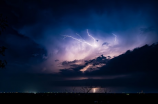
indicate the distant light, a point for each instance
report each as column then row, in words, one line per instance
column 94, row 90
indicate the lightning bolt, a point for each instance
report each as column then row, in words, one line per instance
column 115, row 37
column 92, row 38
column 82, row 40
column 79, row 36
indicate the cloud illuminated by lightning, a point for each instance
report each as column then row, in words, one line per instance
column 82, row 40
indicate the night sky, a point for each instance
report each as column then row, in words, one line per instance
column 53, row 45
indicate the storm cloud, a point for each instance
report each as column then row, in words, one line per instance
column 36, row 44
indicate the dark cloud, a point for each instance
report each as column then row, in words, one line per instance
column 73, row 72
column 148, row 29
column 132, row 71
column 139, row 65
column 56, row 60
column 69, row 62
column 74, row 69
column 99, row 60
column 35, row 55
column 105, row 43
column 20, row 51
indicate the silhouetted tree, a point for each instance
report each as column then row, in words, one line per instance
column 104, row 90
column 88, row 87
column 3, row 25
column 73, row 89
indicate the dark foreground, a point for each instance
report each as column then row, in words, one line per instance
column 81, row 98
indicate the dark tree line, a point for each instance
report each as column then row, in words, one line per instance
column 3, row 25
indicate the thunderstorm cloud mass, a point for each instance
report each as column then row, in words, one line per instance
column 64, row 43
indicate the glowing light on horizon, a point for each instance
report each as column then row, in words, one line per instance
column 94, row 90
column 82, row 40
